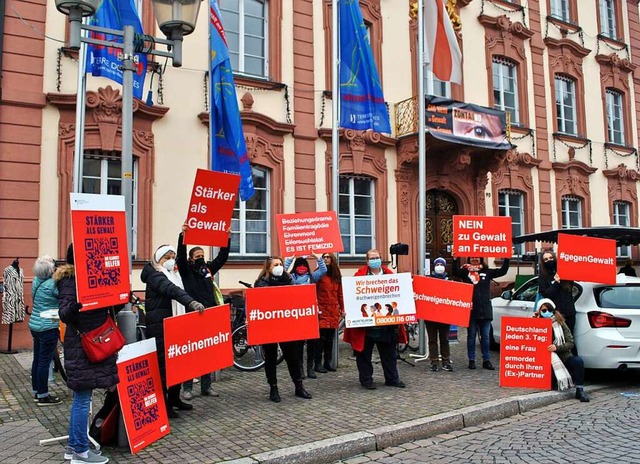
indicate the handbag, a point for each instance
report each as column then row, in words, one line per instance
column 102, row 342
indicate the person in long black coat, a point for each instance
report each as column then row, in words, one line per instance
column 158, row 295
column 560, row 291
column 83, row 376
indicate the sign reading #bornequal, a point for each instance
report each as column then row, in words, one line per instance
column 482, row 236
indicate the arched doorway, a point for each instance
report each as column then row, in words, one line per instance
column 441, row 207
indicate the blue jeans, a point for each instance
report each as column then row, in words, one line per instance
column 79, row 421
column 483, row 326
column 44, row 345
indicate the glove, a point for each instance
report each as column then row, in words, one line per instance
column 196, row 306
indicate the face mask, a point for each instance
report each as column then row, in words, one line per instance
column 375, row 263
column 301, row 270
column 199, row 262
column 169, row 264
column 550, row 265
column 277, row 271
column 546, row 314
column 439, row 269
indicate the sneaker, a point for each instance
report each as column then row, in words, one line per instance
column 398, row 384
column 68, row 453
column 369, row 385
column 582, row 395
column 434, row 368
column 35, row 398
column 447, row 367
column 487, row 365
column 209, row 392
column 91, row 457
column 472, row 364
column 49, row 400
column 187, row 395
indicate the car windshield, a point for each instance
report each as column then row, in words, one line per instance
column 623, row 296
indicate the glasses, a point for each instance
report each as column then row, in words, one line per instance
column 326, row 257
column 546, row 310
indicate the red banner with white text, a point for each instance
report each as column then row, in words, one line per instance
column 587, row 258
column 443, row 301
column 482, row 236
column 306, row 233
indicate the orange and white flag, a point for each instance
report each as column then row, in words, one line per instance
column 441, row 45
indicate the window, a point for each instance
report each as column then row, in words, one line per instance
column 615, row 121
column 245, row 23
column 621, row 218
column 505, row 87
column 511, row 203
column 436, row 86
column 608, row 19
column 101, row 174
column 566, row 105
column 250, row 223
column 571, row 212
column 560, row 10
column 356, row 214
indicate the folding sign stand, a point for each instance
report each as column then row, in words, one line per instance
column 48, row 441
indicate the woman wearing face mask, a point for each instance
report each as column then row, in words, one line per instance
column 163, row 290
column 301, row 274
column 438, row 331
column 330, row 310
column 271, row 275
column 363, row 340
column 559, row 291
column 567, row 369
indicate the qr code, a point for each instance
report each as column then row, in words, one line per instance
column 144, row 403
column 100, row 259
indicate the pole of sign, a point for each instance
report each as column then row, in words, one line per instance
column 335, row 139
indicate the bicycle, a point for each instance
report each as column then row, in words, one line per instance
column 413, row 338
column 247, row 358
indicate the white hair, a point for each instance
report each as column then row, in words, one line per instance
column 44, row 267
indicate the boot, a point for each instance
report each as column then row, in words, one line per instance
column 487, row 365
column 301, row 392
column 171, row 414
column 302, row 376
column 181, row 405
column 318, row 368
column 274, row 394
column 582, row 395
column 310, row 372
column 329, row 367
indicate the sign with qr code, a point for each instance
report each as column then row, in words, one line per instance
column 99, row 230
column 141, row 396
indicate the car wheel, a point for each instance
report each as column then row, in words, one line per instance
column 493, row 344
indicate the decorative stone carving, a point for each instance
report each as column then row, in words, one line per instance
column 247, row 101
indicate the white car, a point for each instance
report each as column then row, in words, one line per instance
column 607, row 331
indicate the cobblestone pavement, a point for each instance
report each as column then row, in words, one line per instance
column 242, row 422
column 600, row 432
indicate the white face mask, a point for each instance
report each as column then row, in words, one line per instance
column 439, row 269
column 277, row 271
column 169, row 264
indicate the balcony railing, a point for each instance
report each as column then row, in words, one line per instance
column 406, row 116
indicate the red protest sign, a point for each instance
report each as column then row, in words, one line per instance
column 525, row 361
column 482, row 236
column 141, row 396
column 282, row 314
column 443, row 301
column 304, row 233
column 195, row 344
column 587, row 258
column 212, row 200
column 99, row 230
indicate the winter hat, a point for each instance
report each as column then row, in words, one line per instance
column 441, row 261
column 70, row 254
column 161, row 251
column 546, row 301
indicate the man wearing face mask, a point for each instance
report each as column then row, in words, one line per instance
column 363, row 340
column 197, row 277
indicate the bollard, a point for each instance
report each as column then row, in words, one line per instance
column 126, row 320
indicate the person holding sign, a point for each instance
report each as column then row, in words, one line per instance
column 273, row 274
column 363, row 340
column 159, row 296
column 559, row 291
column 563, row 361
column 197, row 275
column 476, row 272
column 438, row 331
column 330, row 309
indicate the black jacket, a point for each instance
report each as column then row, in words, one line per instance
column 81, row 373
column 482, row 308
column 273, row 281
column 158, row 295
column 562, row 296
column 196, row 283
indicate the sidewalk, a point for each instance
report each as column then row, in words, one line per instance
column 340, row 421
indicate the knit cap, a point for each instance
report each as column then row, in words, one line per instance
column 440, row 261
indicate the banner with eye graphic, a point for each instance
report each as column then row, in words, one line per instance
column 466, row 124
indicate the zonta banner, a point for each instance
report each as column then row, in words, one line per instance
column 586, row 258
column 371, row 301
column 141, row 396
column 306, row 233
column 465, row 123
column 282, row 314
column 482, row 236
column 195, row 344
column 445, row 301
column 99, row 230
column 212, row 200
column 525, row 361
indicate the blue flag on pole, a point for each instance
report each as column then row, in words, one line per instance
column 362, row 103
column 228, row 149
column 103, row 61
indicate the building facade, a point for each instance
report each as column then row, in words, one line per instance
column 564, row 71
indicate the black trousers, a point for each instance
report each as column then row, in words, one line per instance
column 290, row 352
column 388, row 359
column 312, row 346
column 325, row 347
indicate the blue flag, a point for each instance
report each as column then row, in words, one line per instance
column 102, row 60
column 228, row 150
column 362, row 104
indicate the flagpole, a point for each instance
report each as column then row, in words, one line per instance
column 335, row 140
column 78, row 146
column 422, row 165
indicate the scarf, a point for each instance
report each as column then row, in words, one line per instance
column 562, row 374
column 176, row 308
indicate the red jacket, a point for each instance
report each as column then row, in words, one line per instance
column 330, row 302
column 357, row 335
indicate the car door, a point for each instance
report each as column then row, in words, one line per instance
column 519, row 304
